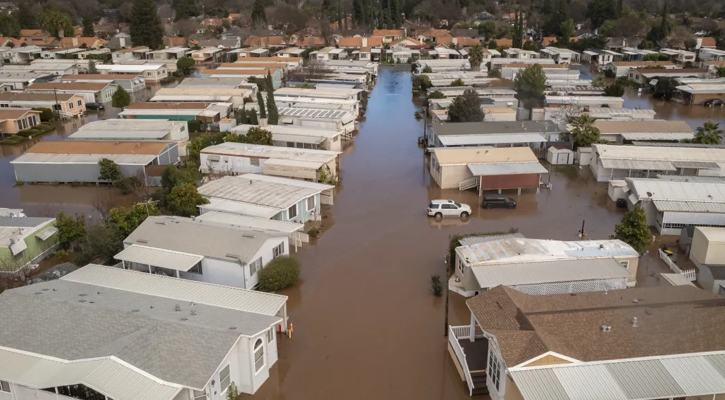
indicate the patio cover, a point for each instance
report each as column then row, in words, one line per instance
column 159, row 257
column 507, row 168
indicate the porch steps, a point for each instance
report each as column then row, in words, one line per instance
column 479, row 382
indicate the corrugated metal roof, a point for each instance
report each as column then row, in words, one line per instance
column 689, row 206
column 107, row 376
column 696, row 164
column 629, row 379
column 527, row 273
column 637, row 164
column 290, row 130
column 313, row 113
column 121, row 159
column 251, row 222
column 311, row 165
column 269, row 194
column 236, row 207
column 657, row 135
column 485, row 139
column 179, row 289
column 660, row 189
column 507, row 168
column 283, row 137
column 260, row 151
column 159, row 257
column 293, row 182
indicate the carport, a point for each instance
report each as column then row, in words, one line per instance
column 507, row 175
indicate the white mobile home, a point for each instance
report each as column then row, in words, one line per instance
column 299, row 137
column 351, row 106
column 338, row 120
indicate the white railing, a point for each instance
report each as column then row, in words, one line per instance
column 690, row 274
column 468, row 184
column 460, row 354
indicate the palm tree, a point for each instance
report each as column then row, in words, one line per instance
column 584, row 132
column 709, row 133
column 475, row 56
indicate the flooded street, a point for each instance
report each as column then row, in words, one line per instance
column 366, row 324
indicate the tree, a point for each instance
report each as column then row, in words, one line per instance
column 518, row 33
column 458, row 82
column 185, row 65
column 128, row 221
column 492, row 45
column 183, row 200
column 708, row 133
column 185, row 9
column 71, row 231
column 253, row 120
column 421, row 83
column 633, row 229
column 232, row 392
column 260, row 105
column 487, row 29
column 530, row 85
column 55, row 22
column 26, row 16
column 614, row 90
column 109, row 171
column 584, row 132
column 280, row 273
column 272, row 112
column 92, row 67
column 258, row 14
column 665, row 88
column 475, row 56
column 720, row 72
column 428, row 70
column 120, row 98
column 599, row 11
column 88, row 30
column 466, row 108
column 146, row 29
column 102, row 242
column 436, row 95
column 567, row 30
column 258, row 135
column 9, row 26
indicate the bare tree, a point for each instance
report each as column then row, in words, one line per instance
column 186, row 27
column 103, row 203
column 313, row 70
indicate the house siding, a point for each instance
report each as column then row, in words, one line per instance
column 35, row 247
column 303, row 214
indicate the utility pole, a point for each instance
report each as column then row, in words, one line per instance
column 57, row 106
column 445, row 285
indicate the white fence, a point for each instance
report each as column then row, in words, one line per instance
column 456, row 332
column 690, row 274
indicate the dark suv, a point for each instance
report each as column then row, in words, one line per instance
column 497, row 201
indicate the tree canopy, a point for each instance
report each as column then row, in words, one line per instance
column 71, row 230
column 475, row 56
column 56, row 22
column 584, row 132
column 120, row 98
column 258, row 14
column 466, row 108
column 272, row 112
column 530, row 84
column 185, row 65
column 183, row 200
column 88, row 30
column 633, row 229
column 146, row 29
column 708, row 133
column 109, row 171
column 280, row 273
column 128, row 220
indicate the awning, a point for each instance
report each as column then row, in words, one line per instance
column 638, row 164
column 44, row 235
column 281, row 137
column 159, row 257
column 696, row 164
column 18, row 247
column 507, row 168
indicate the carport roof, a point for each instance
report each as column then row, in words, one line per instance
column 507, row 168
column 159, row 257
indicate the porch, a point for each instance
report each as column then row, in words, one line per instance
column 470, row 356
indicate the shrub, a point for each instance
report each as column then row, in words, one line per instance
column 314, row 232
column 28, row 133
column 435, row 285
column 280, row 273
column 194, row 126
column 15, row 139
column 46, row 114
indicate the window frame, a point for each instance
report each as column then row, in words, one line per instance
column 258, row 347
column 255, row 266
column 253, row 161
column 289, row 213
column 278, row 250
column 5, row 387
column 199, row 395
column 228, row 378
column 314, row 203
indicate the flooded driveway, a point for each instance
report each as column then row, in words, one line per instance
column 366, row 325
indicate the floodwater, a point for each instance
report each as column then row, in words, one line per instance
column 365, row 323
column 695, row 116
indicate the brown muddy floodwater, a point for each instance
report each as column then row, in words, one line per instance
column 366, row 325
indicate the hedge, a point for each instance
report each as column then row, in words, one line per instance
column 280, row 273
column 15, row 139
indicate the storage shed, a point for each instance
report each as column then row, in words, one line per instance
column 616, row 190
column 559, row 156
column 708, row 254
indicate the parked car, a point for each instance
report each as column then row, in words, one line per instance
column 447, row 208
column 95, row 106
column 714, row 102
column 497, row 201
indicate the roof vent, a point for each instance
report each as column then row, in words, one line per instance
column 185, row 319
column 81, row 301
column 135, row 310
column 606, row 328
column 160, row 223
column 230, row 255
column 635, row 301
column 38, row 293
column 232, row 327
column 177, row 308
column 144, row 241
column 45, row 289
column 246, row 235
column 193, row 312
column 634, row 322
column 601, row 246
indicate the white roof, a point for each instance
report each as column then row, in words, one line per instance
column 639, row 154
column 282, row 137
column 312, row 100
column 314, row 113
column 657, row 135
column 179, row 289
column 107, row 375
column 261, row 224
column 676, row 279
column 507, row 168
column 50, row 158
column 675, row 376
column 128, row 68
column 236, row 207
column 290, row 130
column 486, row 139
column 127, row 128
column 262, row 190
column 159, row 257
column 271, row 152
column 661, row 189
column 296, row 164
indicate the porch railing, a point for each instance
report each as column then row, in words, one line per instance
column 462, row 332
column 468, row 184
column 690, row 274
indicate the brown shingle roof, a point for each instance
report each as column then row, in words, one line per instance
column 642, row 63
column 104, row 77
column 504, row 42
column 81, row 86
column 15, row 113
column 388, row 32
column 671, row 320
column 350, row 42
column 466, row 41
column 37, row 96
column 99, row 147
column 132, row 49
column 708, row 42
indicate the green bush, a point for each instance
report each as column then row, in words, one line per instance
column 46, row 114
column 44, row 127
column 280, row 273
column 15, row 139
column 194, row 126
column 28, row 133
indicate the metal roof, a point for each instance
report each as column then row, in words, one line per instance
column 498, row 127
column 159, row 257
column 696, row 164
column 252, row 223
column 485, row 139
column 690, row 206
column 290, row 130
column 271, row 152
column 184, row 290
column 297, row 164
column 657, row 136
column 507, row 168
column 634, row 379
column 661, row 189
column 283, row 137
column 121, row 159
column 527, row 273
column 244, row 189
column 313, row 113
column 236, row 207
column 108, row 376
column 637, row 164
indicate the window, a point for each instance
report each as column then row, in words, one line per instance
column 33, row 120
column 494, row 370
column 80, row 103
column 258, row 355
column 196, row 269
column 278, row 251
column 224, row 379
column 292, row 212
column 199, row 395
column 4, row 387
column 270, row 336
column 255, row 266
column 21, row 123
column 310, row 203
column 625, row 263
column 448, row 207
column 5, row 105
column 70, row 105
column 254, row 162
column 461, row 266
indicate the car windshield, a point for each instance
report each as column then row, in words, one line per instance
column 458, row 205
